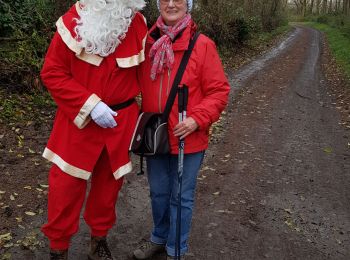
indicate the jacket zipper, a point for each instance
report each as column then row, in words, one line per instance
column 161, row 90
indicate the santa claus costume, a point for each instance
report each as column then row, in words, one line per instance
column 90, row 71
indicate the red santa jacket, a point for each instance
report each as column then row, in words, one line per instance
column 77, row 81
column 205, row 77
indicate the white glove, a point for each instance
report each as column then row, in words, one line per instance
column 103, row 115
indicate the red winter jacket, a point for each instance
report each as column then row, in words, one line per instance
column 205, row 77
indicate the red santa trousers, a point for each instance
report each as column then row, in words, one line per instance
column 66, row 198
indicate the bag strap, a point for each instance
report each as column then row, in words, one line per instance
column 178, row 78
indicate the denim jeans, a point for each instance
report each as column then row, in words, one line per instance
column 163, row 180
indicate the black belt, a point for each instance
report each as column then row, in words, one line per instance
column 122, row 105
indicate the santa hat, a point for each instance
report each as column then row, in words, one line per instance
column 189, row 5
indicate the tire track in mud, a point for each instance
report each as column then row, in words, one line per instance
column 282, row 168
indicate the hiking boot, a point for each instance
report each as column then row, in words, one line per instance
column 58, row 254
column 99, row 249
column 168, row 257
column 147, row 250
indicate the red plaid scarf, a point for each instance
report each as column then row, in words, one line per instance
column 162, row 53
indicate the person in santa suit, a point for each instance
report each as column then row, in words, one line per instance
column 90, row 72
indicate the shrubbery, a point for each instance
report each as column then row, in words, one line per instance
column 341, row 22
column 27, row 26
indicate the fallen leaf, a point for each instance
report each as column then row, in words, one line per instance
column 2, row 192
column 30, row 213
column 289, row 211
column 216, row 193
column 44, row 186
column 224, row 211
column 6, row 237
column 328, row 150
column 27, row 187
column 31, row 151
column 8, row 245
column 6, row 256
column 12, row 197
column 252, row 222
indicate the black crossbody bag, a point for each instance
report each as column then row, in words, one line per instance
column 151, row 132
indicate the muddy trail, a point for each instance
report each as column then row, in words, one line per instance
column 275, row 180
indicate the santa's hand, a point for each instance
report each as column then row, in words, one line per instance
column 103, row 115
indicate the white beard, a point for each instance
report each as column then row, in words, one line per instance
column 104, row 23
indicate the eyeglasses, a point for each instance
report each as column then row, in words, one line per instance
column 175, row 2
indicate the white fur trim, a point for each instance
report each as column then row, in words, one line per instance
column 67, row 36
column 83, row 118
column 133, row 60
column 125, row 169
column 64, row 166
column 77, row 7
column 90, row 58
column 73, row 45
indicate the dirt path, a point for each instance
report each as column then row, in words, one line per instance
column 274, row 185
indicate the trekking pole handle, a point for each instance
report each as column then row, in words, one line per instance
column 180, row 93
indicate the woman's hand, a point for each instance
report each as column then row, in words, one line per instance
column 185, row 128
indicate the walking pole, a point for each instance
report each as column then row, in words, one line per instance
column 182, row 107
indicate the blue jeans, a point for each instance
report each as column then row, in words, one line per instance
column 162, row 177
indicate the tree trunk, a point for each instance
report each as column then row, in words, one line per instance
column 312, row 6
column 330, row 7
column 318, row 7
column 324, row 7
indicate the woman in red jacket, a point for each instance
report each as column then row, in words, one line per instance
column 208, row 94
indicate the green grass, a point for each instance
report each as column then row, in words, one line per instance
column 262, row 38
column 339, row 44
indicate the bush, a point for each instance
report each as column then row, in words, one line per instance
column 322, row 19
column 338, row 21
column 26, row 28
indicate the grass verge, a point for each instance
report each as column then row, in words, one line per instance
column 339, row 44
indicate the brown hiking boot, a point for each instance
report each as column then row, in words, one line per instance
column 58, row 254
column 99, row 249
column 147, row 250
